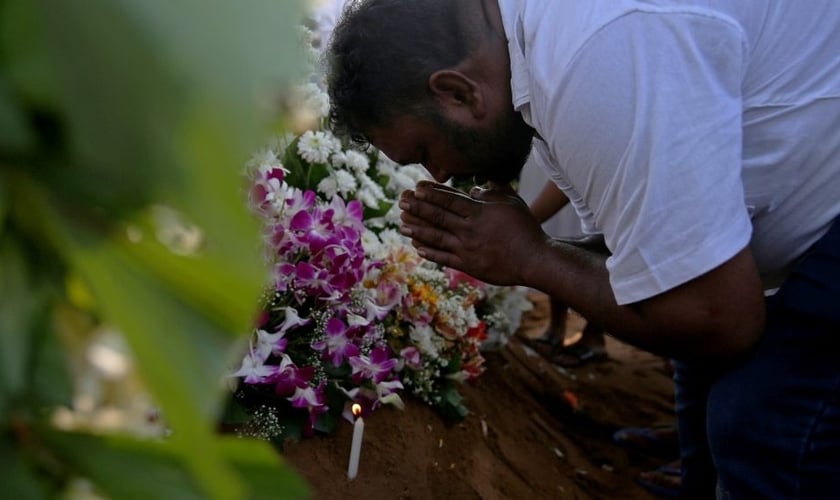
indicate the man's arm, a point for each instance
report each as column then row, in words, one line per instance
column 493, row 237
column 548, row 202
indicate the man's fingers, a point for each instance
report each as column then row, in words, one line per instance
column 444, row 197
column 424, row 234
column 441, row 257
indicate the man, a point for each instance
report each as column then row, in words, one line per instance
column 700, row 138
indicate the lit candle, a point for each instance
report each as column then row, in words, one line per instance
column 356, row 446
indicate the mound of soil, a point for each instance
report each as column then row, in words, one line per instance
column 534, row 431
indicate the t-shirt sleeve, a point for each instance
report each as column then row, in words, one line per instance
column 645, row 123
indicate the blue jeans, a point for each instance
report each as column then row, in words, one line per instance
column 769, row 425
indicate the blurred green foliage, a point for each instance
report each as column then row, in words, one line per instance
column 107, row 109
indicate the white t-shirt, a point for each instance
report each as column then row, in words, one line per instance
column 684, row 131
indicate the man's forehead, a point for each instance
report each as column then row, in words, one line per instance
column 398, row 139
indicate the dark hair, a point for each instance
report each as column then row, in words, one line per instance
column 381, row 55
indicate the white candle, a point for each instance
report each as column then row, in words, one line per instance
column 356, row 446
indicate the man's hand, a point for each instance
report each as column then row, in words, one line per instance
column 489, row 234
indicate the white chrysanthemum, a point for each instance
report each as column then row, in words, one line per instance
column 416, row 172
column 339, row 159
column 316, row 147
column 399, row 181
column 430, row 272
column 385, row 166
column 422, row 336
column 368, row 183
column 391, row 238
column 376, row 223
column 356, row 160
column 370, row 242
column 368, row 198
column 454, row 313
column 370, row 193
column 346, row 182
column 392, row 217
column 328, row 187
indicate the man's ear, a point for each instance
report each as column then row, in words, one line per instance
column 456, row 90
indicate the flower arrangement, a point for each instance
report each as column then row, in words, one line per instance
column 352, row 313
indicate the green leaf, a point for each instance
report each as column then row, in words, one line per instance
column 50, row 376
column 21, row 302
column 127, row 468
column 165, row 335
column 380, row 211
column 17, row 478
column 23, row 53
column 298, row 169
column 4, row 205
column 16, row 135
column 207, row 281
column 257, row 462
column 137, row 78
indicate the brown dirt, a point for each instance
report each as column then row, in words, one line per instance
column 533, row 432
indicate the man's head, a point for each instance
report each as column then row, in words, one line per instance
column 428, row 81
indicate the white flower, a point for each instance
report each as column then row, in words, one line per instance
column 328, row 186
column 267, row 343
column 385, row 166
column 422, row 338
column 253, row 368
column 371, row 244
column 391, row 238
column 368, row 198
column 392, row 217
column 316, row 147
column 345, row 181
column 356, row 161
column 369, row 185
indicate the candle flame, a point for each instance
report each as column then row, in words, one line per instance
column 356, row 409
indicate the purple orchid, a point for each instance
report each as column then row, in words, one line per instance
column 289, row 377
column 270, row 343
column 336, row 343
column 377, row 367
column 254, row 368
column 411, row 356
column 313, row 399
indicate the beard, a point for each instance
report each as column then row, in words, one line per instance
column 495, row 155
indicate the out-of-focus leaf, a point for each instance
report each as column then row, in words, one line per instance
column 14, row 132
column 165, row 335
column 258, row 462
column 128, row 469
column 23, row 53
column 17, row 479
column 136, row 80
column 226, row 290
column 216, row 201
column 50, row 377
column 132, row 103
column 4, row 205
column 20, row 301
